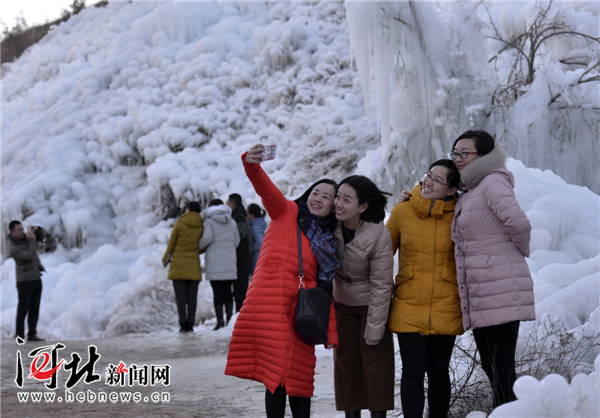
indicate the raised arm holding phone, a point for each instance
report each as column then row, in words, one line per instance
column 265, row 346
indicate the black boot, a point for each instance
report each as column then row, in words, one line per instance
column 378, row 414
column 190, row 327
column 35, row 338
column 219, row 315
column 228, row 312
column 352, row 414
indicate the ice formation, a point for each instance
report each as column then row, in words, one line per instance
column 123, row 113
column 436, row 69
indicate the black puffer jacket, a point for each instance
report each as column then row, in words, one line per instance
column 244, row 249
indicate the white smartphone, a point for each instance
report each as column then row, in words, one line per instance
column 269, row 152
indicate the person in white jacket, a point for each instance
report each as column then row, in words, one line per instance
column 219, row 242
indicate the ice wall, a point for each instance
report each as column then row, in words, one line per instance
column 425, row 65
column 434, row 72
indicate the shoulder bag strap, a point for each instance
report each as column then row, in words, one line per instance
column 301, row 270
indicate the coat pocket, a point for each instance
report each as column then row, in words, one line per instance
column 356, row 264
column 404, row 274
column 449, row 275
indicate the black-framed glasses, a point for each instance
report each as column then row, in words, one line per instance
column 427, row 176
column 462, row 155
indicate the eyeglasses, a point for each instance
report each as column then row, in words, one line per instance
column 427, row 176
column 462, row 155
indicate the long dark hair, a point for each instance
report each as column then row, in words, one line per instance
column 368, row 192
column 330, row 219
column 304, row 196
column 484, row 142
column 256, row 211
column 453, row 177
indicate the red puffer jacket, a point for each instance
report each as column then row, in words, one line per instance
column 265, row 345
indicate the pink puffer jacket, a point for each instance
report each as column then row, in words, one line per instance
column 491, row 233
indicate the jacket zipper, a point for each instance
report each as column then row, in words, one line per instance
column 463, row 267
column 434, row 252
column 345, row 283
column 289, row 353
column 431, row 208
column 348, row 284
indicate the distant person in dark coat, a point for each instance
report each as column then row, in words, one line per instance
column 23, row 249
column 258, row 225
column 219, row 243
column 184, row 255
column 244, row 249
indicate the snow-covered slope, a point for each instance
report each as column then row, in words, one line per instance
column 124, row 113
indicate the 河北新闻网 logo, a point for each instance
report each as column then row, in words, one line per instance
column 45, row 366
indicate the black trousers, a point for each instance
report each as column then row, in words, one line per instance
column 243, row 278
column 222, row 291
column 421, row 354
column 186, row 296
column 496, row 346
column 275, row 404
column 30, row 295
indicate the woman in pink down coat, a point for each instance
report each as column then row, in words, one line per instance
column 265, row 345
column 491, row 235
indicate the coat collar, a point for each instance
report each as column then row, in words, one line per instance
column 472, row 174
column 191, row 219
column 362, row 235
column 422, row 207
column 22, row 241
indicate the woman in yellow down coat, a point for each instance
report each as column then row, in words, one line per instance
column 184, row 255
column 425, row 311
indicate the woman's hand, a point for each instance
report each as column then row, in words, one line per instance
column 329, row 346
column 254, row 155
column 404, row 196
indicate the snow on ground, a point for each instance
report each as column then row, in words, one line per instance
column 122, row 114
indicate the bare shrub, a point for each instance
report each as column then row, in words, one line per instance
column 549, row 349
column 553, row 349
column 471, row 389
column 524, row 50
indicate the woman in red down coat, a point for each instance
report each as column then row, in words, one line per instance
column 265, row 345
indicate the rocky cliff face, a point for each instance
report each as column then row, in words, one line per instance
column 15, row 44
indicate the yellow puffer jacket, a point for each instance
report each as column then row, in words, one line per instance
column 183, row 248
column 426, row 295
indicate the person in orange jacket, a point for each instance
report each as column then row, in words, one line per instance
column 425, row 311
column 265, row 345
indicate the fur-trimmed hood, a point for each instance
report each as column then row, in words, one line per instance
column 218, row 213
column 473, row 173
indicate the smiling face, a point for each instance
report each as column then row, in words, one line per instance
column 347, row 206
column 320, row 200
column 465, row 145
column 435, row 184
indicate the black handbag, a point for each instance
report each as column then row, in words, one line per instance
column 312, row 308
